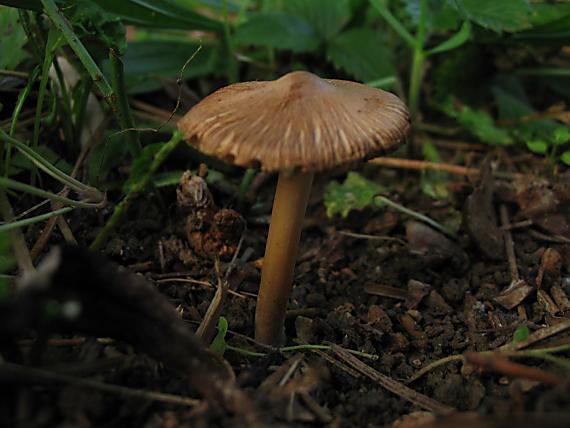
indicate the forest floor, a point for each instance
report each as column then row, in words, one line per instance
column 483, row 312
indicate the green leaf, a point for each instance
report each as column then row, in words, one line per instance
column 363, row 53
column 12, row 40
column 441, row 17
column 550, row 23
column 98, row 28
column 23, row 4
column 219, row 345
column 159, row 14
column 20, row 162
column 326, row 17
column 565, row 157
column 277, row 30
column 537, row 146
column 521, row 334
column 561, row 135
column 503, row 15
column 146, row 61
column 478, row 122
column 355, row 193
column 454, row 41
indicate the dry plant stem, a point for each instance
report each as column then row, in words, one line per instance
column 289, row 206
column 509, row 245
column 436, row 166
column 502, row 365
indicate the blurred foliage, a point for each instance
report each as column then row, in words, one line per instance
column 498, row 62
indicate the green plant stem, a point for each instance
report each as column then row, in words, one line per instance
column 393, row 22
column 125, row 116
column 418, row 216
column 92, row 68
column 246, row 180
column 77, row 186
column 48, row 59
column 35, row 219
column 137, row 188
column 417, row 62
column 65, row 102
column 232, row 72
column 8, row 183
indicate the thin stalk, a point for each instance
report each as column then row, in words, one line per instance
column 232, row 65
column 418, row 62
column 50, row 169
column 8, row 183
column 52, row 41
column 36, row 219
column 125, row 116
column 246, row 180
column 63, row 25
column 137, row 188
column 65, row 100
column 393, row 22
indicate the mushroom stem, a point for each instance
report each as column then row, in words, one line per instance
column 289, row 206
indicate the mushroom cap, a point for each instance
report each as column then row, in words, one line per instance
column 298, row 122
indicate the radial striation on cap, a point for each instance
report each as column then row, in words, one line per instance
column 299, row 121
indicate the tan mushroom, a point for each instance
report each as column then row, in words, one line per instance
column 297, row 125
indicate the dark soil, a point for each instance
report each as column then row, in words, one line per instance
column 446, row 306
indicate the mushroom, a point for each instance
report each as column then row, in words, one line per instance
column 297, row 125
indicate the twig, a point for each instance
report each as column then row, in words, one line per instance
column 433, row 365
column 538, row 335
column 207, row 328
column 372, row 237
column 436, row 166
column 392, row 385
column 509, row 245
column 502, row 365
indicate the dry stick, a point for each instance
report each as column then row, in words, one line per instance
column 502, row 365
column 436, row 166
column 9, row 371
column 543, row 333
column 372, row 237
column 392, row 385
column 509, row 245
column 434, row 365
column 201, row 283
column 207, row 328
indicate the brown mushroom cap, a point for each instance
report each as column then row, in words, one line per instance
column 299, row 121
